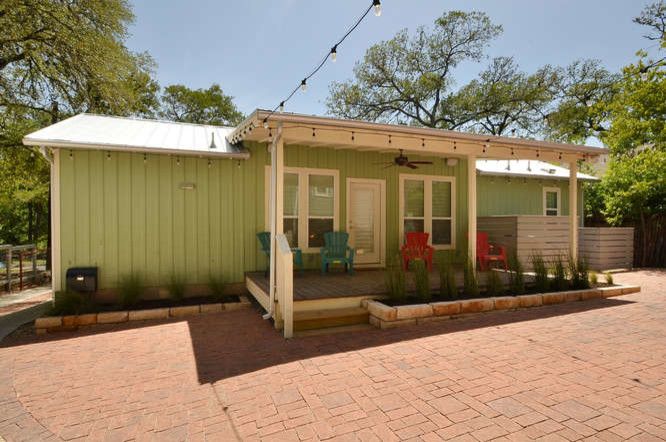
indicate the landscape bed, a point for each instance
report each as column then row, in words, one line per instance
column 115, row 314
column 386, row 316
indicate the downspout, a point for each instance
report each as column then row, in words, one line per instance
column 55, row 266
column 273, row 224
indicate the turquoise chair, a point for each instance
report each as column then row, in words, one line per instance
column 336, row 250
column 265, row 240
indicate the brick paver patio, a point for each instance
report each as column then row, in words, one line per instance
column 589, row 370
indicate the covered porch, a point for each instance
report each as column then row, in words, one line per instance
column 318, row 142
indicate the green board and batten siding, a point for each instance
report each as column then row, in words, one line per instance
column 123, row 214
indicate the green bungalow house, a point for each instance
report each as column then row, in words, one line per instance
column 160, row 198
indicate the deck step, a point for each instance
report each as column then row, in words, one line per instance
column 316, row 319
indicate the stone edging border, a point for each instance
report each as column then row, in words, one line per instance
column 74, row 322
column 383, row 316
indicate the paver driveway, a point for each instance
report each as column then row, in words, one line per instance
column 573, row 371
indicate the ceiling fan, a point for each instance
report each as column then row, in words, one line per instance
column 402, row 160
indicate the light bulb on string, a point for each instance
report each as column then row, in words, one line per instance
column 304, row 84
column 281, row 106
column 378, row 7
column 334, row 53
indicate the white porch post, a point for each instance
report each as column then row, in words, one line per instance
column 471, row 208
column 573, row 209
column 275, row 211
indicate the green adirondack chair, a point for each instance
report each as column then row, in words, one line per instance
column 265, row 240
column 336, row 250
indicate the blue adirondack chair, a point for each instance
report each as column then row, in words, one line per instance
column 336, row 250
column 265, row 240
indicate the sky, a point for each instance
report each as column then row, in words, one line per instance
column 259, row 50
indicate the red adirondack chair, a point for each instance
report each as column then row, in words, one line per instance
column 487, row 252
column 416, row 247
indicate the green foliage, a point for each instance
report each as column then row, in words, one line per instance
column 541, row 282
column 609, row 278
column 421, row 280
column 579, row 273
column 177, row 287
column 494, row 284
column 395, row 280
column 470, row 280
column 203, row 106
column 217, row 287
column 130, row 289
column 70, row 303
column 447, row 277
column 516, row 275
column 69, row 53
column 635, row 186
column 594, row 279
column 560, row 281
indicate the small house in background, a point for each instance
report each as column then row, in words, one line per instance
column 158, row 198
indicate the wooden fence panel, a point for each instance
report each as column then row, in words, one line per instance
column 607, row 248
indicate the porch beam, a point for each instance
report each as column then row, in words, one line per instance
column 471, row 209
column 275, row 212
column 573, row 209
column 420, row 146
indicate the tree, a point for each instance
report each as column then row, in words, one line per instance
column 503, row 98
column 581, row 90
column 68, row 53
column 203, row 106
column 409, row 79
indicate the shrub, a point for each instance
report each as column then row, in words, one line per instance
column 177, row 287
column 540, row 272
column 609, row 278
column 559, row 274
column 470, row 282
column 594, row 279
column 69, row 303
column 516, row 275
column 422, row 280
column 447, row 278
column 579, row 273
column 494, row 284
column 130, row 289
column 395, row 279
column 216, row 287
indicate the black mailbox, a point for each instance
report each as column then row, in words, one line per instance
column 82, row 279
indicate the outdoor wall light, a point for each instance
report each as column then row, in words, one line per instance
column 451, row 162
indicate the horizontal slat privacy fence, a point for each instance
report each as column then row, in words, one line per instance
column 604, row 248
column 607, row 248
column 526, row 234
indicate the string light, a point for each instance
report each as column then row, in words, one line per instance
column 145, row 158
column 177, row 161
column 71, row 155
column 560, row 156
column 378, row 7
column 331, row 54
column 108, row 155
column 210, row 164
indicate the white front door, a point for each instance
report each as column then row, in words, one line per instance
column 366, row 220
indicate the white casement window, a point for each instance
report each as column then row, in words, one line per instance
column 311, row 205
column 551, row 201
column 427, row 204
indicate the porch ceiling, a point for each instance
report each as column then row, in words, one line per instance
column 365, row 136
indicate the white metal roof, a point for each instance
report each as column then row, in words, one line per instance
column 87, row 131
column 526, row 169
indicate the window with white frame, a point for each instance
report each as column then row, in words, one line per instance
column 310, row 205
column 551, row 201
column 427, row 204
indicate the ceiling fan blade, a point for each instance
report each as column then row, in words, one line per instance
column 421, row 162
column 411, row 165
column 382, row 162
column 390, row 165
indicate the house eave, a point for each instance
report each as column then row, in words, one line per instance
column 409, row 138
